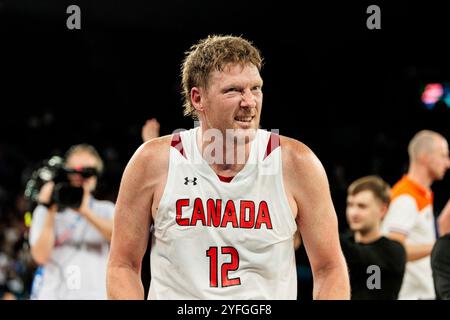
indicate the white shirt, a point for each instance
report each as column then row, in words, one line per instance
column 411, row 213
column 76, row 269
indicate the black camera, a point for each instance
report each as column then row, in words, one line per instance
column 64, row 194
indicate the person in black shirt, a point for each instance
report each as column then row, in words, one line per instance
column 440, row 264
column 376, row 264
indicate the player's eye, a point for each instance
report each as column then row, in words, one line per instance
column 232, row 89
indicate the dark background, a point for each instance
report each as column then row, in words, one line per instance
column 351, row 94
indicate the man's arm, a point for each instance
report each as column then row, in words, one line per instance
column 413, row 251
column 42, row 247
column 399, row 221
column 42, row 232
column 103, row 225
column 307, row 184
column 133, row 218
column 150, row 130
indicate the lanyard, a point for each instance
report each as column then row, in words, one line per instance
column 68, row 232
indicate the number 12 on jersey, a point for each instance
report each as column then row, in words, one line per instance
column 233, row 265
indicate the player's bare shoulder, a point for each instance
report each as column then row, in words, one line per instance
column 148, row 165
column 297, row 155
column 155, row 153
column 301, row 167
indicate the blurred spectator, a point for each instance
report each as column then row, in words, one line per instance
column 440, row 264
column 71, row 245
column 16, row 265
column 8, row 296
column 444, row 220
column 367, row 203
column 440, row 256
column 410, row 218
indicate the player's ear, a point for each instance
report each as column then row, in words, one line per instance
column 197, row 98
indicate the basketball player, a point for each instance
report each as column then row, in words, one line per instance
column 223, row 229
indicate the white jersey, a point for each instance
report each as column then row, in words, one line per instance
column 411, row 213
column 220, row 239
column 76, row 269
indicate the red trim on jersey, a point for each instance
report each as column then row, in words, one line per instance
column 177, row 143
column 225, row 179
column 272, row 144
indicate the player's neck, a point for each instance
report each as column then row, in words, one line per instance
column 419, row 175
column 226, row 158
column 367, row 237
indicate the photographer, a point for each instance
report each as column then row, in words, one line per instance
column 71, row 243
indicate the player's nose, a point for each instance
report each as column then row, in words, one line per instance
column 248, row 99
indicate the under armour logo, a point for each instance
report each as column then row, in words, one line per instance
column 193, row 181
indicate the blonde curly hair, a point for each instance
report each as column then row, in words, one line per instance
column 213, row 53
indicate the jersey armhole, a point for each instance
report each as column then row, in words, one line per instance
column 281, row 187
column 165, row 197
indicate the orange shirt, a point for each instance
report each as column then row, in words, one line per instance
column 407, row 186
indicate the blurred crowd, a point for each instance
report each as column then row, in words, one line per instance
column 16, row 264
